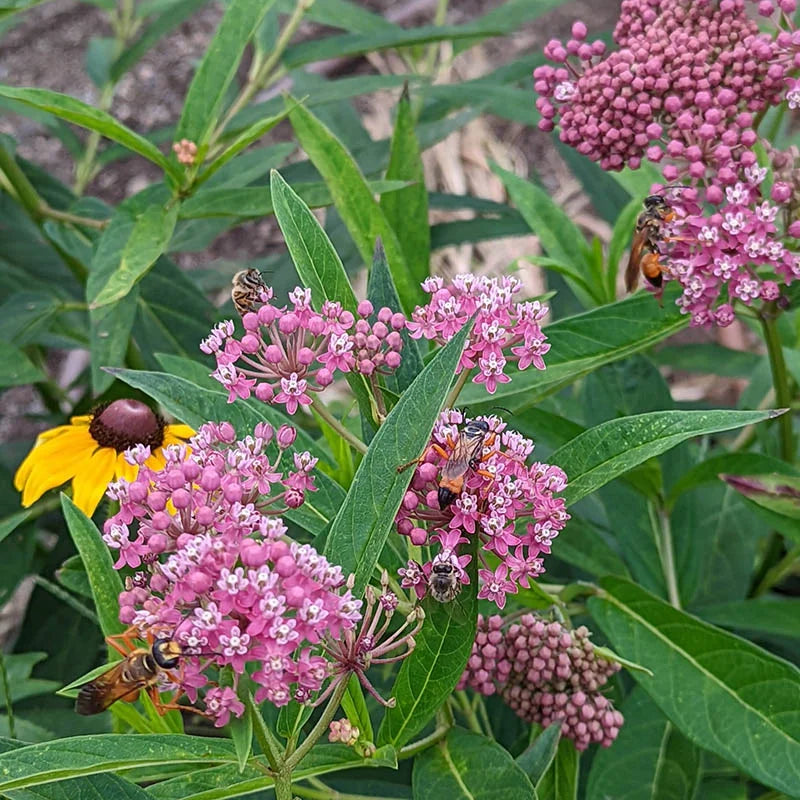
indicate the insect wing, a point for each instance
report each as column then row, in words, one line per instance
column 635, row 258
column 458, row 462
column 106, row 689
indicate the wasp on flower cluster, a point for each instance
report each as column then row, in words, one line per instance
column 247, row 288
column 647, row 237
column 141, row 668
column 464, row 453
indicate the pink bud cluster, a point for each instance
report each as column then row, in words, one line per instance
column 215, row 572
column 504, row 330
column 509, row 505
column 342, row 730
column 286, row 354
column 686, row 89
column 724, row 255
column 547, row 674
column 685, row 83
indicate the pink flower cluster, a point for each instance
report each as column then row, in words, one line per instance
column 685, row 83
column 215, row 572
column 546, row 674
column 686, row 89
column 509, row 505
column 724, row 254
column 505, row 330
column 286, row 354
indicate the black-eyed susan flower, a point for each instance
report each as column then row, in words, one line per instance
column 90, row 452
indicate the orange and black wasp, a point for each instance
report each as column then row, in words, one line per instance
column 464, row 453
column 141, row 668
column 648, row 235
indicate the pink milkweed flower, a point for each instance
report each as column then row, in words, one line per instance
column 508, row 504
column 504, row 331
column 288, row 353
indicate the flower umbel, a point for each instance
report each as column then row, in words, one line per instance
column 510, row 506
column 354, row 652
column 504, row 331
column 287, row 354
column 546, row 674
column 214, row 572
column 90, row 452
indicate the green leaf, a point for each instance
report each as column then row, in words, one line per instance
column 353, row 199
column 560, row 782
column 109, row 333
column 709, row 470
column 241, row 731
column 223, row 782
column 467, row 766
column 650, row 760
column 536, row 760
column 558, row 234
column 174, row 15
column 244, row 140
column 431, row 672
column 103, row 578
column 608, row 450
column 317, row 263
column 581, row 344
column 583, row 545
column 206, row 95
column 94, row 119
column 148, row 240
column 355, row 707
column 381, row 292
column 407, row 210
column 359, row 530
column 255, row 201
column 8, row 524
column 723, row 693
column 194, row 404
column 777, row 493
column 773, row 615
column 61, row 759
column 16, row 369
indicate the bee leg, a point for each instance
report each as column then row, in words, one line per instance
column 435, row 447
column 126, row 637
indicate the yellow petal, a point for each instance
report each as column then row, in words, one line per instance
column 52, row 463
column 156, row 461
column 90, row 482
column 126, row 470
column 179, row 431
column 82, row 420
column 45, row 436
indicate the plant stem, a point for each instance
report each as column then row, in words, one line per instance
column 325, row 792
column 456, row 391
column 349, row 437
column 12, row 729
column 423, row 744
column 780, row 380
column 466, row 708
column 84, row 169
column 774, row 575
column 74, row 219
column 322, row 725
column 666, row 551
column 254, row 84
column 22, row 187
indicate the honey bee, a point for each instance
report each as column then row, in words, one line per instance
column 248, row 286
column 444, row 582
column 140, row 669
column 648, row 234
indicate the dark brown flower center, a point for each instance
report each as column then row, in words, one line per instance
column 125, row 423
